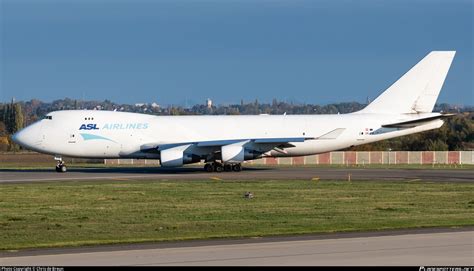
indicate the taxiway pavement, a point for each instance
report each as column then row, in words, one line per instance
column 249, row 173
column 406, row 247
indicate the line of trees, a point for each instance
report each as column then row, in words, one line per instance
column 11, row 121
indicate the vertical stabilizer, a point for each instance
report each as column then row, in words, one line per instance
column 418, row 89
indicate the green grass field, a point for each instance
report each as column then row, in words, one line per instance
column 107, row 212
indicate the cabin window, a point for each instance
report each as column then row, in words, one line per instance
column 48, row 117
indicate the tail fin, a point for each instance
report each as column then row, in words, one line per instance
column 417, row 90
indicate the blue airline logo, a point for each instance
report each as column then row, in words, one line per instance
column 115, row 126
column 92, row 137
column 90, row 126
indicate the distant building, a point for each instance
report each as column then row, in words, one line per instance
column 155, row 105
column 209, row 103
column 139, row 104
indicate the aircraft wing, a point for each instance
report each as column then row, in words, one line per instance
column 284, row 142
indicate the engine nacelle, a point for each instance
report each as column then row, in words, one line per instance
column 175, row 157
column 232, row 154
column 171, row 158
column 252, row 154
column 237, row 154
column 189, row 158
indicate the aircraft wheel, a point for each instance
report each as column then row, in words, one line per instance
column 218, row 167
column 61, row 168
column 209, row 167
column 237, row 167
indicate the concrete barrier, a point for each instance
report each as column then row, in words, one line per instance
column 414, row 157
column 441, row 157
column 324, row 158
column 337, row 158
column 454, row 157
column 364, row 157
column 427, row 157
column 348, row 158
column 467, row 157
column 329, row 158
column 25, row 158
column 376, row 157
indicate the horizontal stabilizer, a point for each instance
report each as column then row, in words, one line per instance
column 415, row 122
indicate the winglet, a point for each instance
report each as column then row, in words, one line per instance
column 332, row 134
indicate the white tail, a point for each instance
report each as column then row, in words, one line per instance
column 418, row 89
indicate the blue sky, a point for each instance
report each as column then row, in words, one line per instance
column 177, row 51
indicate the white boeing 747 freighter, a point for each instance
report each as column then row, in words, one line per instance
column 224, row 142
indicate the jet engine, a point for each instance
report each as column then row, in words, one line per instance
column 233, row 154
column 237, row 154
column 175, row 157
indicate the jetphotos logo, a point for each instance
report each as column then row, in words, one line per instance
column 115, row 126
column 446, row 268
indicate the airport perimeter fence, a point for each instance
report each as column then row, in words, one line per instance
column 349, row 158
column 330, row 158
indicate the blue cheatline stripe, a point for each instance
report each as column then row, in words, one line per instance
column 92, row 137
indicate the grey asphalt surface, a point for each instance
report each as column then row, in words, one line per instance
column 249, row 173
column 405, row 247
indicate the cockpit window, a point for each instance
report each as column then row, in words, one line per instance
column 48, row 117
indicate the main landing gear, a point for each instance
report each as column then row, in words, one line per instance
column 61, row 166
column 219, row 167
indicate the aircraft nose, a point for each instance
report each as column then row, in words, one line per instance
column 28, row 137
column 15, row 138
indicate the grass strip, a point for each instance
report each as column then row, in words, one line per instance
column 108, row 212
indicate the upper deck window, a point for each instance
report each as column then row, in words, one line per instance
column 48, row 117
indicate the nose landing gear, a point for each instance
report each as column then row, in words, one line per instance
column 61, row 166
